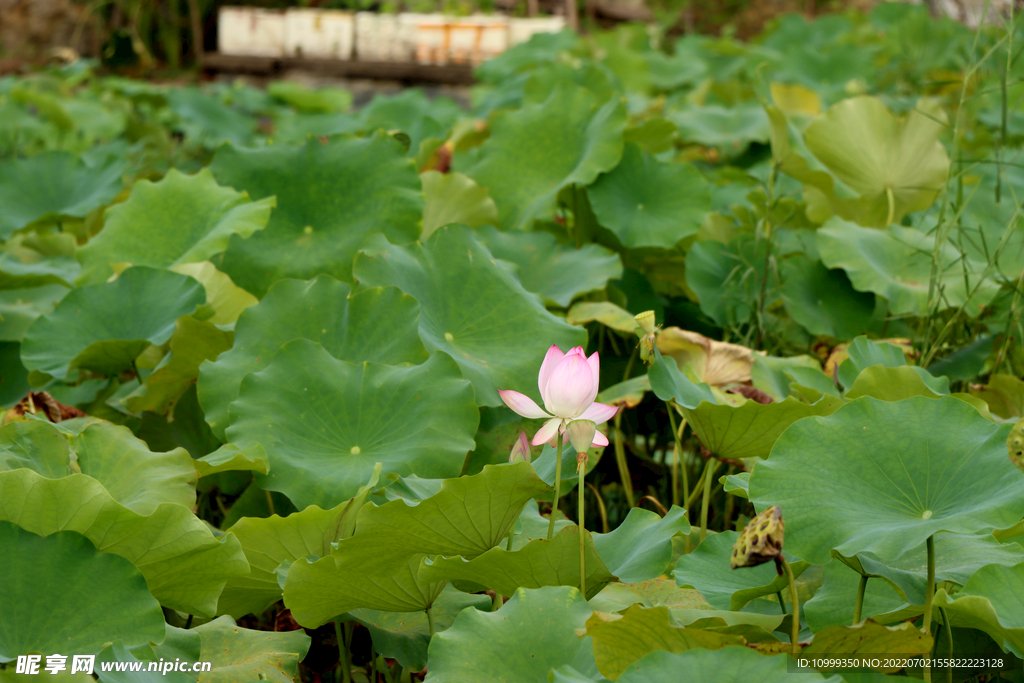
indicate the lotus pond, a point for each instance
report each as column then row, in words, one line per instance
column 417, row 391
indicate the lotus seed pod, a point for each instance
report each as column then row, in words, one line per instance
column 645, row 321
column 760, row 541
column 581, row 434
column 1015, row 445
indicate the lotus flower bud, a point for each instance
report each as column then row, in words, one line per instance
column 1015, row 445
column 760, row 541
column 520, row 449
column 645, row 321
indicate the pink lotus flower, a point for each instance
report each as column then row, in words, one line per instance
column 568, row 384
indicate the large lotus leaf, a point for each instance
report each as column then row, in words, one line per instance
column 957, row 557
column 61, row 595
column 133, row 475
column 205, row 119
column 21, row 273
column 750, row 430
column 557, row 272
column 823, row 301
column 405, row 636
column 193, row 343
column 318, row 592
column 54, row 185
column 732, row 665
column 899, row 472
column 472, row 308
column 103, row 328
column 604, row 312
column 330, row 197
column 181, row 219
column 532, row 633
column 239, row 654
column 669, row 384
column 833, row 603
column 411, row 112
column 715, row 272
column 324, row 422
column 687, row 605
column 537, row 564
column 641, row 546
column 467, row 517
column 896, row 263
column 377, row 324
column 775, row 375
column 117, row 652
column 896, row 164
column 1004, row 395
column 231, row 458
column 19, row 308
column 870, row 638
column 707, row 570
column 454, row 198
column 185, row 565
column 896, row 384
column 991, row 601
column 621, row 641
column 536, row 150
column 650, row 204
column 227, row 299
column 728, row 127
column 863, row 353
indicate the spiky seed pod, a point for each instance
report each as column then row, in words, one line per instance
column 1015, row 445
column 760, row 541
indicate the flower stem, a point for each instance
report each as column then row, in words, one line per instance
column 782, row 603
column 860, row 599
column 511, row 533
column 795, row 630
column 343, row 654
column 558, row 486
column 677, row 435
column 929, row 597
column 430, row 620
column 580, row 519
column 705, row 500
column 949, row 643
column 620, row 460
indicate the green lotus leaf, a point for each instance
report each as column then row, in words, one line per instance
column 717, row 274
column 604, row 312
column 641, row 546
column 205, row 119
column 621, row 641
column 536, row 564
column 133, row 475
column 715, row 126
column 231, row 458
column 957, row 558
column 896, row 165
column 117, row 652
column 240, row 654
column 650, row 204
column 16, row 273
column 732, row 665
column 327, row 100
column 626, row 394
column 863, row 353
column 268, row 543
column 991, row 602
column 557, row 272
column 544, row 465
column 707, row 570
column 330, row 197
column 687, row 605
column 184, row 564
column 410, row 111
column 736, row 484
column 454, row 198
column 54, row 185
column 324, row 422
column 870, row 638
column 180, row 219
column 405, row 636
column 19, row 308
column 896, row 384
column 378, row 325
column 222, row 295
column 62, row 596
column 532, row 633
column 896, row 264
column 1004, row 395
column 103, row 328
column 669, row 384
column 833, row 603
column 193, row 343
column 910, row 469
column 467, row 517
column 823, row 301
column 538, row 149
column 472, row 308
column 320, row 591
